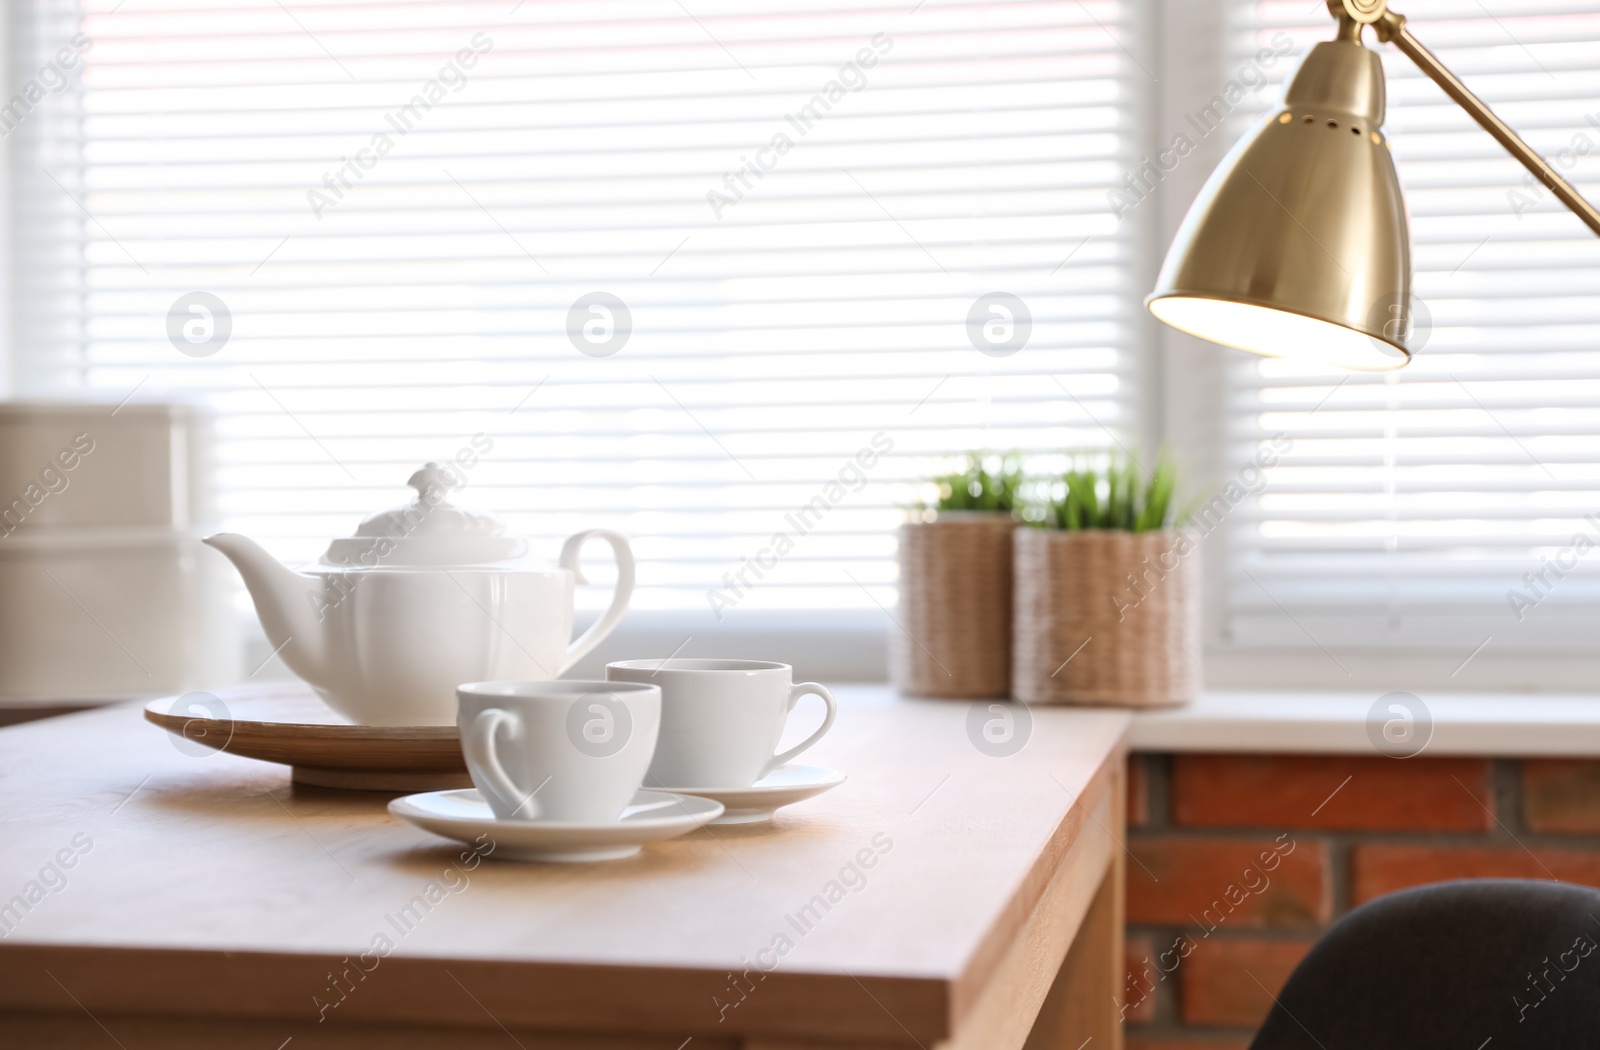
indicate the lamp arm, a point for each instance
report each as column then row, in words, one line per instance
column 1391, row 28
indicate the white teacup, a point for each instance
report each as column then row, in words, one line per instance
column 566, row 751
column 721, row 720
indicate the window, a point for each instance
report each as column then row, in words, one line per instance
column 678, row 265
column 1413, row 506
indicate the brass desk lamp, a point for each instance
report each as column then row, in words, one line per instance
column 1298, row 244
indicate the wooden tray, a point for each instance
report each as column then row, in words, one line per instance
column 287, row 723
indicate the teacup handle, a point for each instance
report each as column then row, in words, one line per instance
column 478, row 746
column 584, row 643
column 795, row 693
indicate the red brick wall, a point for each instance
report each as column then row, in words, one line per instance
column 1237, row 863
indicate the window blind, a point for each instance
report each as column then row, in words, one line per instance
column 1452, row 504
column 679, row 269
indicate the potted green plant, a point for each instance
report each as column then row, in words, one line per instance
column 954, row 634
column 1107, row 590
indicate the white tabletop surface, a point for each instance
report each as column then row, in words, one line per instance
column 1289, row 721
column 1508, row 724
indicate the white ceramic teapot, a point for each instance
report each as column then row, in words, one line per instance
column 421, row 599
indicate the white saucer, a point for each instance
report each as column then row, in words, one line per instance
column 784, row 786
column 463, row 815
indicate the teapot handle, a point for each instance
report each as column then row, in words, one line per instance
column 570, row 551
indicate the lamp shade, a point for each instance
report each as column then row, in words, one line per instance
column 1298, row 246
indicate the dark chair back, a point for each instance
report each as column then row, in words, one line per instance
column 1480, row 964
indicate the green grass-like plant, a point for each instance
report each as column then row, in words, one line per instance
column 1114, row 497
column 979, row 488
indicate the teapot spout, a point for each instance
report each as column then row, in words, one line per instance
column 286, row 603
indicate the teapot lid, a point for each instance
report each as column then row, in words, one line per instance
column 428, row 531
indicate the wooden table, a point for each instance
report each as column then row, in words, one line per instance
column 203, row 902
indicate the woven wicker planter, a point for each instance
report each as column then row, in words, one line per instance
column 955, row 607
column 1107, row 618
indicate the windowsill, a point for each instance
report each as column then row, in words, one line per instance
column 1283, row 721
column 1286, row 721
column 1279, row 721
